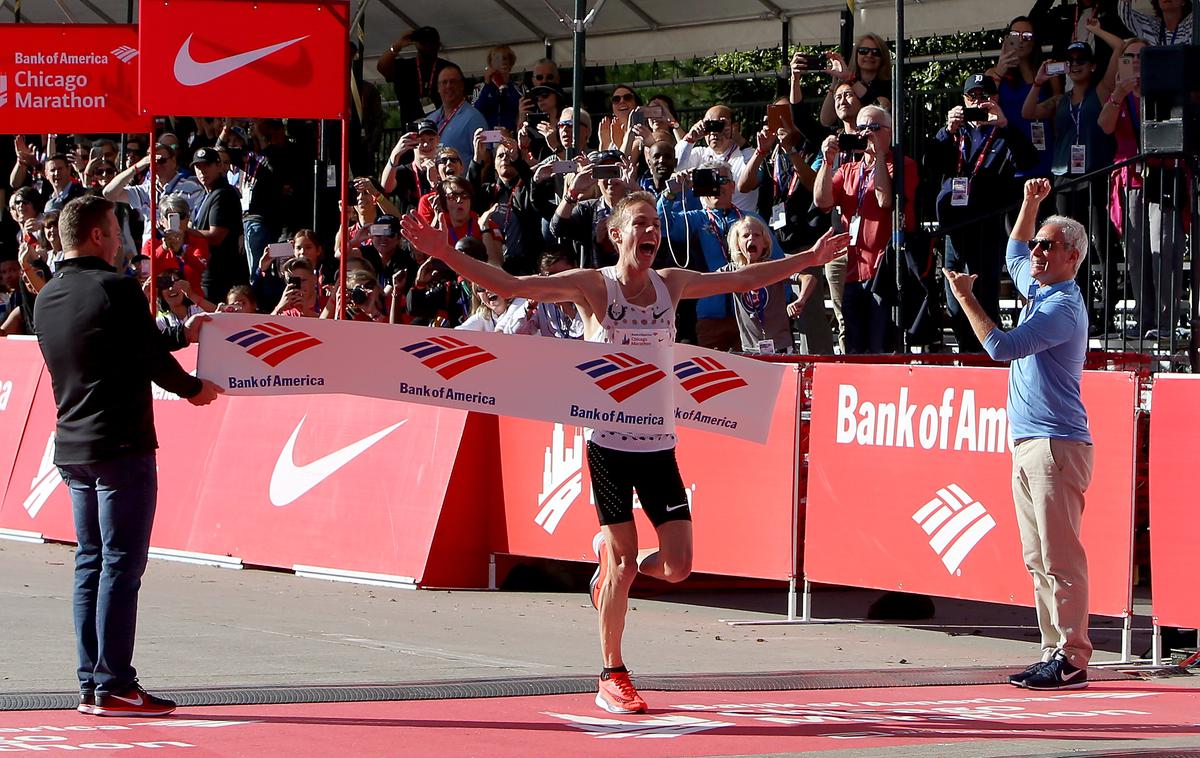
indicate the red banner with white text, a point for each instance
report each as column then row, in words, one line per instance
column 741, row 494
column 1174, row 482
column 65, row 78
column 264, row 58
column 910, row 484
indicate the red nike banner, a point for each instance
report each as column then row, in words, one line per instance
column 265, row 59
column 1174, row 482
column 65, row 78
column 910, row 484
column 285, row 481
column 741, row 494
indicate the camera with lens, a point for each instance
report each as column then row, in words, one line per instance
column 359, row 295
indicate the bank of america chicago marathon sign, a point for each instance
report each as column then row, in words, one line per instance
column 69, row 78
column 642, row 389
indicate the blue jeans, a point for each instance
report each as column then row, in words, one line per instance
column 113, row 503
column 256, row 235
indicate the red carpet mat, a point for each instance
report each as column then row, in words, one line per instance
column 678, row 724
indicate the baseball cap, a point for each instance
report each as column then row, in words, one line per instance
column 206, row 155
column 546, row 89
column 425, row 126
column 606, row 156
column 980, row 81
column 425, row 34
column 1081, row 50
column 390, row 221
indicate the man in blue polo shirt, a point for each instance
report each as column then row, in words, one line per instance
column 457, row 119
column 1052, row 447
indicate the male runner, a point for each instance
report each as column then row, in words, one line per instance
column 628, row 301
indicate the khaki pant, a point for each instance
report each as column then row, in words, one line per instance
column 1049, row 479
column 835, row 274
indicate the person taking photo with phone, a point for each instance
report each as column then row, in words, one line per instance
column 860, row 196
column 978, row 153
column 174, row 247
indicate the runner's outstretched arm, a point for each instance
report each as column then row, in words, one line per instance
column 696, row 284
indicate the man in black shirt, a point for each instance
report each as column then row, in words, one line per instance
column 218, row 219
column 267, row 187
column 103, row 350
column 415, row 79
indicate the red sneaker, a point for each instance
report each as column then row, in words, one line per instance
column 616, row 694
column 132, row 701
column 601, row 574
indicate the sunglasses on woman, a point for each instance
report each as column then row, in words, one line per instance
column 1024, row 36
column 870, row 51
column 627, row 97
column 448, row 159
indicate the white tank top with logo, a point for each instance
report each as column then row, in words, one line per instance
column 623, row 323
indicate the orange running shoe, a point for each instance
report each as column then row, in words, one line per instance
column 617, row 695
column 601, row 568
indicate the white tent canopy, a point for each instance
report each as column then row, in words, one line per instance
column 624, row 31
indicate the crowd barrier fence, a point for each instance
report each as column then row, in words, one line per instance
column 899, row 480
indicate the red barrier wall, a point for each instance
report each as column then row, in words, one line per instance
column 340, row 482
column 741, row 494
column 1174, row 484
column 940, row 521
column 20, row 368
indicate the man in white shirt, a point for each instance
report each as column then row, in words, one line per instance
column 715, row 137
column 167, row 177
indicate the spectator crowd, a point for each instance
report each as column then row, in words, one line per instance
column 518, row 178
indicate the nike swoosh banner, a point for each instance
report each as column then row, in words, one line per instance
column 60, row 78
column 268, row 58
column 636, row 389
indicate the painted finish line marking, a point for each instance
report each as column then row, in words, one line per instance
column 679, row 723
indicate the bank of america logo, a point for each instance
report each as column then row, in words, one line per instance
column 125, row 53
column 448, row 356
column 621, row 375
column 273, row 343
column 956, row 523
column 3, row 90
column 705, row 377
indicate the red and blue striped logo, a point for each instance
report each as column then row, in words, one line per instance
column 621, row 375
column 705, row 378
column 273, row 343
column 448, row 356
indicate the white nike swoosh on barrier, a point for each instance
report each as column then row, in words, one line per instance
column 289, row 481
column 192, row 73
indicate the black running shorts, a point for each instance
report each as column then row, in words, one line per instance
column 655, row 476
